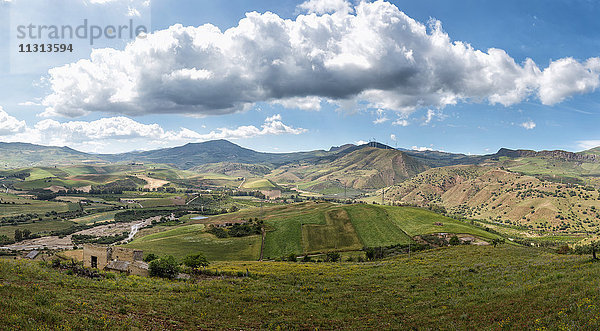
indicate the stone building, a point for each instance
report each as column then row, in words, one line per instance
column 111, row 258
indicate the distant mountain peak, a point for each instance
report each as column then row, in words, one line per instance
column 376, row 144
column 341, row 148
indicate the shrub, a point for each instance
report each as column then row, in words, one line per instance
column 332, row 257
column 165, row 267
column 150, row 257
column 291, row 258
column 306, row 258
column 454, row 241
column 196, row 261
column 564, row 249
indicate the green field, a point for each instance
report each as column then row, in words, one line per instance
column 41, row 227
column 158, row 202
column 454, row 288
column 416, row 221
column 190, row 239
column 375, row 227
column 45, row 183
column 28, row 206
column 308, row 228
column 94, row 218
column 336, row 233
column 258, row 183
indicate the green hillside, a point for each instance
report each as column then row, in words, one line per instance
column 18, row 155
column 185, row 240
column 455, row 288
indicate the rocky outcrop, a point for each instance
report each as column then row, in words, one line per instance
column 557, row 154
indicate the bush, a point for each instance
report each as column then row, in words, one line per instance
column 332, row 257
column 165, row 267
column 196, row 261
column 306, row 258
column 291, row 258
column 454, row 241
column 150, row 257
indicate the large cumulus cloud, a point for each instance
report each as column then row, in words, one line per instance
column 371, row 54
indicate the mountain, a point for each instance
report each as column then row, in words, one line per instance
column 341, row 148
column 18, row 155
column 436, row 159
column 556, row 154
column 234, row 169
column 363, row 168
column 215, row 151
column 594, row 151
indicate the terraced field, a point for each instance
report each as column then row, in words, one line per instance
column 309, row 228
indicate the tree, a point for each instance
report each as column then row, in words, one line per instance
column 196, row 261
column 18, row 235
column 594, row 247
column 165, row 267
column 5, row 240
column 150, row 257
column 454, row 241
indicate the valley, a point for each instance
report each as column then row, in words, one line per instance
column 422, row 236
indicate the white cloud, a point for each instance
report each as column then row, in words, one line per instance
column 29, row 103
column 401, row 122
column 325, row 6
column 9, row 125
column 381, row 118
column 567, row 77
column 304, row 103
column 360, row 142
column 133, row 12
column 373, row 56
column 529, row 125
column 431, row 115
column 393, row 137
column 588, row 144
column 421, row 149
column 118, row 134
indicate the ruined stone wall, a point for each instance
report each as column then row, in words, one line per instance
column 126, row 254
column 139, row 268
column 101, row 253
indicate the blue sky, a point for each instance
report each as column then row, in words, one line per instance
column 556, row 108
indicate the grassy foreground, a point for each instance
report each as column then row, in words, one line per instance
column 463, row 287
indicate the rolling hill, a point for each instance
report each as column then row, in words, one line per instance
column 362, row 168
column 19, row 155
column 506, row 197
